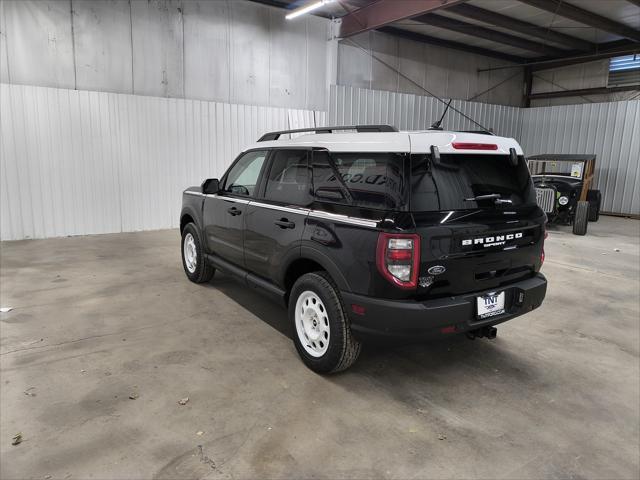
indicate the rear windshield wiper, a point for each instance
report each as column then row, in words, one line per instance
column 496, row 197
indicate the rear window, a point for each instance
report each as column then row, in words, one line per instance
column 552, row 167
column 371, row 180
column 458, row 178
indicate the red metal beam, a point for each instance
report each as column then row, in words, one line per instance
column 521, row 27
column 492, row 35
column 383, row 12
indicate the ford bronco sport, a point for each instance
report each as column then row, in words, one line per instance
column 366, row 232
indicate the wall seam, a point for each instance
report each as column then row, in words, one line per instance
column 73, row 47
column 133, row 89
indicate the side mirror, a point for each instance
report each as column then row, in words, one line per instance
column 210, row 186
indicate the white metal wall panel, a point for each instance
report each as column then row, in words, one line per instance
column 77, row 162
column 610, row 130
column 349, row 105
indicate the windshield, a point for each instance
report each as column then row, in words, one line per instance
column 462, row 182
column 553, row 167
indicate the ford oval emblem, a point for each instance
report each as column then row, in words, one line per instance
column 436, row 270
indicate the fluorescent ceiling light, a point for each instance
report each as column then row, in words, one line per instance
column 306, row 9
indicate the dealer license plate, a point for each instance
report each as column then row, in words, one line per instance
column 490, row 304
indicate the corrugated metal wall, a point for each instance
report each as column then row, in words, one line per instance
column 610, row 130
column 350, row 106
column 77, row 162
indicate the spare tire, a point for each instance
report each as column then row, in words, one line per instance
column 581, row 218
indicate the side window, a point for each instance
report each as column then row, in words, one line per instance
column 373, row 180
column 243, row 177
column 289, row 177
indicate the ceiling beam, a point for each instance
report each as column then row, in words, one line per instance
column 605, row 50
column 522, row 27
column 585, row 17
column 383, row 12
column 583, row 91
column 488, row 34
column 418, row 37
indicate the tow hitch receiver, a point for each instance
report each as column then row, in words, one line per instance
column 484, row 332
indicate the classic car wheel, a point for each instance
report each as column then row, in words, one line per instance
column 594, row 197
column 581, row 218
column 322, row 334
column 196, row 267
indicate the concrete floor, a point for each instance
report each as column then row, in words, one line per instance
column 97, row 319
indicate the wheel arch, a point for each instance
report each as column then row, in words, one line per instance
column 188, row 215
column 311, row 260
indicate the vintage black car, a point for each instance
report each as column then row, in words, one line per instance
column 563, row 189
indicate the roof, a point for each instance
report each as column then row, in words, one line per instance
column 563, row 157
column 406, row 142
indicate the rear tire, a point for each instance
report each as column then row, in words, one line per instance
column 581, row 218
column 594, row 197
column 195, row 265
column 321, row 330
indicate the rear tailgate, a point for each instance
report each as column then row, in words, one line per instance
column 479, row 250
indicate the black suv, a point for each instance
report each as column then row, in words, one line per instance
column 375, row 233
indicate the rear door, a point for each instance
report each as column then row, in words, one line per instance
column 224, row 212
column 275, row 221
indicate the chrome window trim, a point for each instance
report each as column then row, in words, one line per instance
column 197, row 194
column 298, row 210
column 336, row 217
column 228, row 199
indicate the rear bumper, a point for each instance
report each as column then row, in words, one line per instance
column 421, row 320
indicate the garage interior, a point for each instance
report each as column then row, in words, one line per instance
column 114, row 365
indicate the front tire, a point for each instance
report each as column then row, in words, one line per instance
column 321, row 331
column 581, row 218
column 195, row 265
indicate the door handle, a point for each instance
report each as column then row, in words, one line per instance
column 234, row 211
column 284, row 223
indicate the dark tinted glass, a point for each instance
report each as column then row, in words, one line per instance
column 243, row 177
column 289, row 178
column 459, row 177
column 373, row 180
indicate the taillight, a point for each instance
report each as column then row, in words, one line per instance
column 474, row 146
column 398, row 258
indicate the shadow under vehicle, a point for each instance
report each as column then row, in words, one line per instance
column 563, row 189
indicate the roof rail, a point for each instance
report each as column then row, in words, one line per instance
column 359, row 128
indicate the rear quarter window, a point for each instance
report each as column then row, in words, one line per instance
column 370, row 180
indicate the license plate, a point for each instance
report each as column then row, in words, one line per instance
column 490, row 304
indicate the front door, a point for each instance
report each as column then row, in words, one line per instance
column 274, row 223
column 224, row 212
